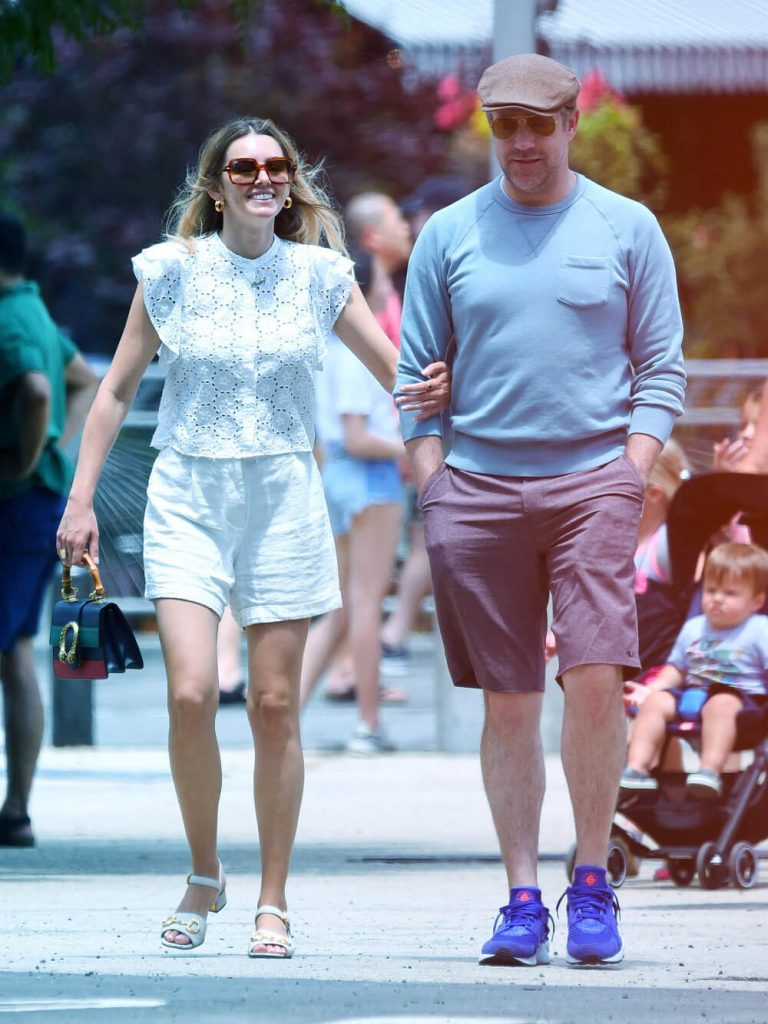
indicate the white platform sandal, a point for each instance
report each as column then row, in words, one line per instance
column 266, row 937
column 194, row 925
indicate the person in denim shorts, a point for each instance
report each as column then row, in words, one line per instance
column 560, row 297
column 45, row 388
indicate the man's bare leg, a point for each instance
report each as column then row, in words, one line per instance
column 513, row 772
column 594, row 744
column 593, row 748
column 512, row 761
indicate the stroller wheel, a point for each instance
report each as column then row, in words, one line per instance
column 681, row 870
column 713, row 873
column 620, row 862
column 743, row 865
column 617, row 863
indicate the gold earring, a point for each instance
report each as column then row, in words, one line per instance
column 218, row 205
column 288, row 203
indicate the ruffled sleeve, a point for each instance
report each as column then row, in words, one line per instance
column 161, row 270
column 332, row 280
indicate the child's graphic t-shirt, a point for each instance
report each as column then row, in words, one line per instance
column 735, row 657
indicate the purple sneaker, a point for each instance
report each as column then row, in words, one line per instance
column 593, row 909
column 520, row 932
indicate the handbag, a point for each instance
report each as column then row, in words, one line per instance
column 90, row 639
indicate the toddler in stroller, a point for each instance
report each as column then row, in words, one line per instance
column 713, row 686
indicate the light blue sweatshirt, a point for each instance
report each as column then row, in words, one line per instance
column 567, row 327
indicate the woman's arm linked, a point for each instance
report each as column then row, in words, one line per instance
column 78, row 531
column 359, row 330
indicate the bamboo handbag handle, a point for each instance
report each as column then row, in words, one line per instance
column 69, row 592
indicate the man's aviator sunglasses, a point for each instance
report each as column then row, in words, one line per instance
column 542, row 125
column 245, row 170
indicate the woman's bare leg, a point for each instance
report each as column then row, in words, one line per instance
column 326, row 635
column 228, row 652
column 274, row 666
column 188, row 637
column 415, row 584
column 372, row 550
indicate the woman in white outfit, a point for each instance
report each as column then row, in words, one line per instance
column 239, row 302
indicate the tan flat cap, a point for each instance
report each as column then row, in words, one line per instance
column 528, row 80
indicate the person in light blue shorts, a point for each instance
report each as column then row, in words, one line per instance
column 363, row 488
column 353, row 484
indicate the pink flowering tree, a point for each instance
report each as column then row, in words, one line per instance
column 465, row 126
column 613, row 146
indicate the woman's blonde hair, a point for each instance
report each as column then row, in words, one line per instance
column 670, row 469
column 311, row 219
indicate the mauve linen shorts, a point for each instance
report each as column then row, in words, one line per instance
column 498, row 546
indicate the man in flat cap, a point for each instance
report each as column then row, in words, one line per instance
column 562, row 301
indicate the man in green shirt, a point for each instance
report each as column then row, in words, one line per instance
column 45, row 390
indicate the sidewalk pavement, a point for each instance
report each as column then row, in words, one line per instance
column 394, row 887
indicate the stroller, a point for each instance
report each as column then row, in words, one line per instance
column 715, row 841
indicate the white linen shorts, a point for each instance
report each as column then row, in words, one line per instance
column 252, row 533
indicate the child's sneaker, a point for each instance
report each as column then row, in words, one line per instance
column 593, row 934
column 520, row 931
column 632, row 779
column 703, row 785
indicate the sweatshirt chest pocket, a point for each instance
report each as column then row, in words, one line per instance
column 583, row 281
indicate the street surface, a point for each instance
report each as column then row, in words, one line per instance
column 394, row 888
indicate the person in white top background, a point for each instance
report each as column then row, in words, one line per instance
column 239, row 302
column 359, row 435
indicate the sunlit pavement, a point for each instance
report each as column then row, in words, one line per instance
column 394, row 888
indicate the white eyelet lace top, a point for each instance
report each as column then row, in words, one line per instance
column 242, row 340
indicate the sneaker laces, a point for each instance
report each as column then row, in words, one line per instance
column 586, row 902
column 524, row 915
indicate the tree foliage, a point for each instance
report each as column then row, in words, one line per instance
column 613, row 147
column 92, row 154
column 30, row 26
column 721, row 257
column 720, row 254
